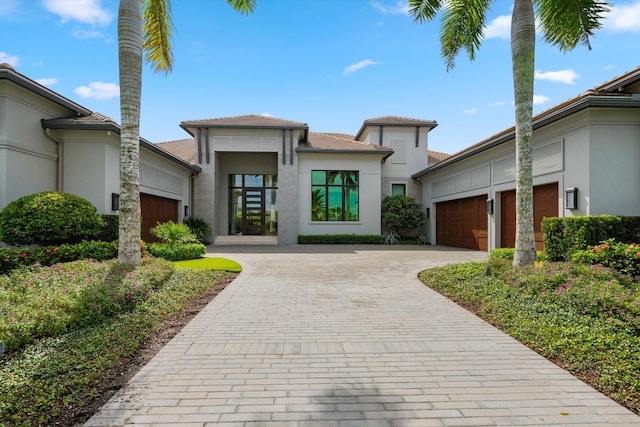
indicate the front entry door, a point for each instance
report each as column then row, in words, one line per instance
column 253, row 211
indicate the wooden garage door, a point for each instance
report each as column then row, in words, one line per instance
column 462, row 223
column 545, row 204
column 156, row 209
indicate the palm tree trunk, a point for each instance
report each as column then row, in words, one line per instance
column 523, row 54
column 130, row 69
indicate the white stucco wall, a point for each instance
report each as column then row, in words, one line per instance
column 369, row 193
column 28, row 158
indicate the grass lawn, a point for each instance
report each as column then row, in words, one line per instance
column 584, row 318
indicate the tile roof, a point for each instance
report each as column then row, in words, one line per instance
column 246, row 121
column 182, row 148
column 397, row 120
column 339, row 142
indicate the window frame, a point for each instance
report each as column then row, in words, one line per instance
column 328, row 187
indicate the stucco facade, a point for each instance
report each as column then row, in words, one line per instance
column 255, row 174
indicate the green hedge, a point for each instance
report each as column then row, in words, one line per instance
column 340, row 239
column 109, row 231
column 10, row 259
column 563, row 236
column 177, row 251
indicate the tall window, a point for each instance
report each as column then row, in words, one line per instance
column 334, row 195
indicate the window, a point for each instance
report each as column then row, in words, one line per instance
column 334, row 195
column 398, row 189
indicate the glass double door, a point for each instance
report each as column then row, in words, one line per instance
column 253, row 205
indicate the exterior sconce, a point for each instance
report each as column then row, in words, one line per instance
column 186, row 210
column 490, row 206
column 571, row 198
column 115, row 201
column 427, row 212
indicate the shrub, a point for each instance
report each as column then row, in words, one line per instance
column 401, row 214
column 177, row 252
column 199, row 227
column 563, row 236
column 49, row 218
column 110, row 228
column 171, row 233
column 340, row 239
column 622, row 257
column 508, row 253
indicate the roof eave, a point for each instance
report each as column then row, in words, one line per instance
column 37, row 88
column 553, row 116
column 430, row 125
column 70, row 124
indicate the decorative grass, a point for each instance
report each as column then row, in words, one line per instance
column 222, row 264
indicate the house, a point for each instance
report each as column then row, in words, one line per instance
column 586, row 157
column 50, row 143
column 260, row 175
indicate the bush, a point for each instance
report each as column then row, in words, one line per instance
column 340, row 239
column 563, row 236
column 177, row 252
column 110, row 228
column 11, row 259
column 401, row 214
column 199, row 228
column 622, row 257
column 171, row 233
column 508, row 253
column 49, row 218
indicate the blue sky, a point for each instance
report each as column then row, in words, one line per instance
column 328, row 63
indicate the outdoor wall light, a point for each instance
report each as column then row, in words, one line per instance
column 490, row 206
column 571, row 198
column 115, row 201
column 186, row 210
column 427, row 212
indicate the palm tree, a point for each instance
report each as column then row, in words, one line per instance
column 564, row 23
column 138, row 32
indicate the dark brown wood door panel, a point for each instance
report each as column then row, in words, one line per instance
column 462, row 223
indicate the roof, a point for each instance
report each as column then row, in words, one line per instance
column 257, row 121
column 182, row 148
column 620, row 92
column 97, row 121
column 436, row 157
column 7, row 72
column 396, row 121
column 340, row 143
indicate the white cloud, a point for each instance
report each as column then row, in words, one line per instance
column 609, row 67
column 562, row 76
column 497, row 104
column 470, row 111
column 98, row 90
column 47, row 81
column 266, row 115
column 81, row 34
column 12, row 60
column 624, row 18
column 355, row 67
column 400, row 7
column 499, row 28
column 540, row 99
column 84, row 11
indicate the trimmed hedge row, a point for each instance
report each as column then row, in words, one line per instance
column 563, row 236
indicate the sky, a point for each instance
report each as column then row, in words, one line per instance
column 329, row 63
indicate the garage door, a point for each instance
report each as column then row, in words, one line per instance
column 156, row 209
column 545, row 204
column 462, row 223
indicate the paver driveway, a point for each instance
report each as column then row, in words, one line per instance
column 347, row 336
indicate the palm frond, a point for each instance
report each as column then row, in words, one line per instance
column 424, row 10
column 567, row 23
column 462, row 27
column 244, row 7
column 158, row 27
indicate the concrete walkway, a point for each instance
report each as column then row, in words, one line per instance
column 343, row 336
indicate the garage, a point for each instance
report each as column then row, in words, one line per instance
column 545, row 204
column 462, row 223
column 156, row 209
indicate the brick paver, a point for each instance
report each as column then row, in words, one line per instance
column 347, row 336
